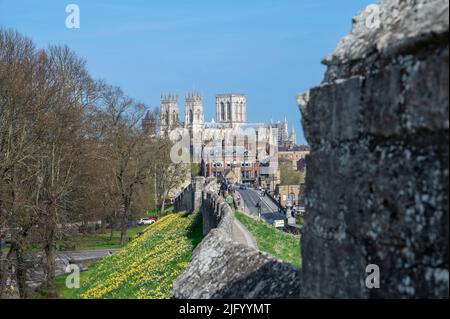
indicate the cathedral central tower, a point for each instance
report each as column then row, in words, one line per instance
column 231, row 108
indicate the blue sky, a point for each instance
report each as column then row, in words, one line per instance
column 269, row 50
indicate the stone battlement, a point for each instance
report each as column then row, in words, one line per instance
column 222, row 268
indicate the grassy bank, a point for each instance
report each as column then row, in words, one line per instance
column 61, row 288
column 102, row 240
column 146, row 267
column 270, row 240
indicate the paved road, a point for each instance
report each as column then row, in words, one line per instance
column 269, row 211
column 82, row 256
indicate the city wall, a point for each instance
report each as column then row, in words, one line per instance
column 377, row 179
column 222, row 268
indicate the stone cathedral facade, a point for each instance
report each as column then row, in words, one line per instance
column 228, row 147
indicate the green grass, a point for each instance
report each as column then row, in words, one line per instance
column 157, row 268
column 86, row 242
column 157, row 213
column 61, row 288
column 101, row 240
column 91, row 241
column 147, row 267
column 270, row 240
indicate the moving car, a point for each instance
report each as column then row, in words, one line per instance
column 146, row 221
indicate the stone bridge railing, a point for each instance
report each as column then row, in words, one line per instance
column 222, row 268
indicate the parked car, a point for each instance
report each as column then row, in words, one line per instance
column 242, row 186
column 146, row 221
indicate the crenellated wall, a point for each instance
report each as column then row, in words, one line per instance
column 222, row 268
column 190, row 198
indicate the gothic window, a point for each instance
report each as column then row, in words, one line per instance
column 174, row 118
column 222, row 111
column 229, row 111
column 246, row 145
column 191, row 117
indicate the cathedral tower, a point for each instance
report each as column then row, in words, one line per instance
column 194, row 117
column 194, row 121
column 169, row 113
column 231, row 108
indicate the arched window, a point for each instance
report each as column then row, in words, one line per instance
column 174, row 118
column 191, row 117
column 246, row 144
column 241, row 111
column 222, row 111
column 223, row 147
column 229, row 111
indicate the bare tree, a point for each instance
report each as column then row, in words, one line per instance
column 168, row 175
column 70, row 149
column 42, row 99
column 59, row 157
column 19, row 107
column 125, row 143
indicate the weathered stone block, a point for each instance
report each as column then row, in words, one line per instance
column 334, row 111
column 377, row 193
column 426, row 93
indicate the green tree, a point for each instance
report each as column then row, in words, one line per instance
column 290, row 176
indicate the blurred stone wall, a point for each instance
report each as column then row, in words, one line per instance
column 377, row 181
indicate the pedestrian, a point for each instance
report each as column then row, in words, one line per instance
column 230, row 200
column 223, row 188
column 258, row 206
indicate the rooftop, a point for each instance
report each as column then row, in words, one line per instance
column 229, row 94
column 293, row 148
